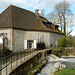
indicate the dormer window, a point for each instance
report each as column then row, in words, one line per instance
column 46, row 24
column 56, row 27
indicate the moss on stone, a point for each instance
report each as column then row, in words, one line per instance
column 37, row 69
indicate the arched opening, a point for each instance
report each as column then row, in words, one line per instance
column 1, row 43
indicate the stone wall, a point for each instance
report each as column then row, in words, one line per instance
column 54, row 37
column 48, row 38
column 18, row 39
column 42, row 36
column 19, row 36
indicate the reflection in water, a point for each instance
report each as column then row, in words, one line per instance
column 69, row 62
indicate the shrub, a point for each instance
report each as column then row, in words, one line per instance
column 62, row 42
column 65, row 42
column 70, row 43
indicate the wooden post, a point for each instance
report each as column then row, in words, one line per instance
column 46, row 54
column 43, row 55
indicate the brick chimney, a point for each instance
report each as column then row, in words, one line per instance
column 36, row 12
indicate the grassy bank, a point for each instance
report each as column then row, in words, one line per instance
column 65, row 71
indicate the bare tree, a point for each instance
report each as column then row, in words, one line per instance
column 61, row 14
column 53, row 17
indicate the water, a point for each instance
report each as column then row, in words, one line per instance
column 47, row 69
column 52, row 59
column 70, row 62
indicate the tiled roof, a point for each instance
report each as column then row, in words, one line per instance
column 23, row 19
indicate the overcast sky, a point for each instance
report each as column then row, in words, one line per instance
column 37, row 4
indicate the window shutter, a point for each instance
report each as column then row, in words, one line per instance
column 25, row 44
column 34, row 44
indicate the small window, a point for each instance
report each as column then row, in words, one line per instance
column 30, row 43
column 56, row 28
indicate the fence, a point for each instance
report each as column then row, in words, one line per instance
column 12, row 61
column 7, row 63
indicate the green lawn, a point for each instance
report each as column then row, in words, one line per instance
column 65, row 71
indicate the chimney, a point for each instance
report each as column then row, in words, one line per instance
column 36, row 12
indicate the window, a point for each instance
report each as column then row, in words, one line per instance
column 30, row 43
column 47, row 24
column 56, row 28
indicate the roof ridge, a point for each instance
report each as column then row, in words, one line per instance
column 20, row 8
